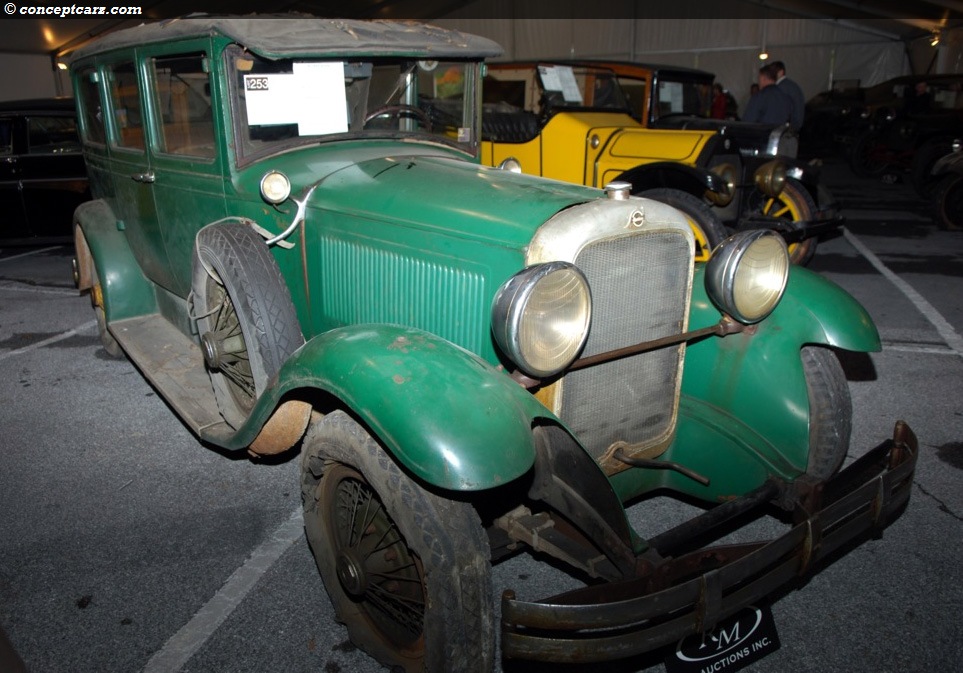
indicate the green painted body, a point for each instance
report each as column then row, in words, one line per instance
column 393, row 273
column 407, row 386
column 744, row 396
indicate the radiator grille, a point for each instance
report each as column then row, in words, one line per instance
column 362, row 284
column 639, row 292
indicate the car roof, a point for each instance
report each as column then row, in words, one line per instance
column 613, row 64
column 659, row 68
column 286, row 36
column 63, row 104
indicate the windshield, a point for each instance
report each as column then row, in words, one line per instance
column 566, row 87
column 685, row 97
column 286, row 103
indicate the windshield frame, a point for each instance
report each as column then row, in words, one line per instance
column 581, row 76
column 464, row 138
column 686, row 82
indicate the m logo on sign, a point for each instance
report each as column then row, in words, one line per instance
column 744, row 638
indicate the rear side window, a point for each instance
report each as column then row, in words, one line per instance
column 52, row 135
column 183, row 104
column 88, row 95
column 128, row 113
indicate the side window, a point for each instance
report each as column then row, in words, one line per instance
column 88, row 94
column 6, row 137
column 52, row 135
column 634, row 90
column 128, row 115
column 183, row 104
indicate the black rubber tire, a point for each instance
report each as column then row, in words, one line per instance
column 830, row 411
column 706, row 225
column 796, row 205
column 440, row 546
column 107, row 340
column 948, row 202
column 860, row 157
column 245, row 295
column 922, row 166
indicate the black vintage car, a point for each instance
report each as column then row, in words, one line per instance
column 42, row 173
column 899, row 128
column 947, row 177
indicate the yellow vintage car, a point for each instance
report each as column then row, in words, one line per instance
column 574, row 122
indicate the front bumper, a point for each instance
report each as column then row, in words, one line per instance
column 690, row 593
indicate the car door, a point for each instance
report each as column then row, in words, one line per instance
column 12, row 222
column 188, row 182
column 130, row 172
column 52, row 176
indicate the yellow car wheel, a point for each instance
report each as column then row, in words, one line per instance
column 794, row 204
column 706, row 225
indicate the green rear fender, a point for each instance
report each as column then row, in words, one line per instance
column 448, row 416
column 744, row 396
column 115, row 263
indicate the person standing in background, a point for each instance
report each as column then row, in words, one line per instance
column 719, row 102
column 770, row 105
column 795, row 93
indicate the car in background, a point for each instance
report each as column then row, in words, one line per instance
column 907, row 124
column 292, row 237
column 676, row 97
column 42, row 173
column 596, row 123
column 947, row 176
column 832, row 119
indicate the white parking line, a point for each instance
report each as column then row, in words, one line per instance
column 52, row 340
column 943, row 327
column 18, row 286
column 28, row 254
column 192, row 636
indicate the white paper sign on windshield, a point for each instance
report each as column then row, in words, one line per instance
column 312, row 97
column 561, row 78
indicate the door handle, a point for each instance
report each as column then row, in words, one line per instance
column 147, row 177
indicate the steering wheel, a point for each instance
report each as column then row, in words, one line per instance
column 400, row 111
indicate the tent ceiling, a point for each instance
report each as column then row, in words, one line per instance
column 885, row 18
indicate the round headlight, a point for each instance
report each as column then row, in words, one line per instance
column 275, row 187
column 728, row 173
column 541, row 316
column 747, row 274
column 511, row 164
column 770, row 178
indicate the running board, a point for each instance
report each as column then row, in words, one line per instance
column 174, row 365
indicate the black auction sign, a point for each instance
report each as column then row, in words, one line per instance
column 746, row 637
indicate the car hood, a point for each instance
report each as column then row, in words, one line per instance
column 430, row 189
column 747, row 135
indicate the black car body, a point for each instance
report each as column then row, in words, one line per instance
column 42, row 173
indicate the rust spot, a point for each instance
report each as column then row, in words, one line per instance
column 399, row 379
column 283, row 429
column 400, row 344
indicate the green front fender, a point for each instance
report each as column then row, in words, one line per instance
column 448, row 416
column 744, row 412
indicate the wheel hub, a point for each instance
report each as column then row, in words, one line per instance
column 211, row 355
column 351, row 573
column 220, row 351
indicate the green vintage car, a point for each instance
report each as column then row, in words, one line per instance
column 292, row 237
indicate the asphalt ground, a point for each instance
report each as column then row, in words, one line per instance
column 127, row 545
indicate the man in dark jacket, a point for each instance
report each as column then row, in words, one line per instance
column 770, row 105
column 795, row 93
